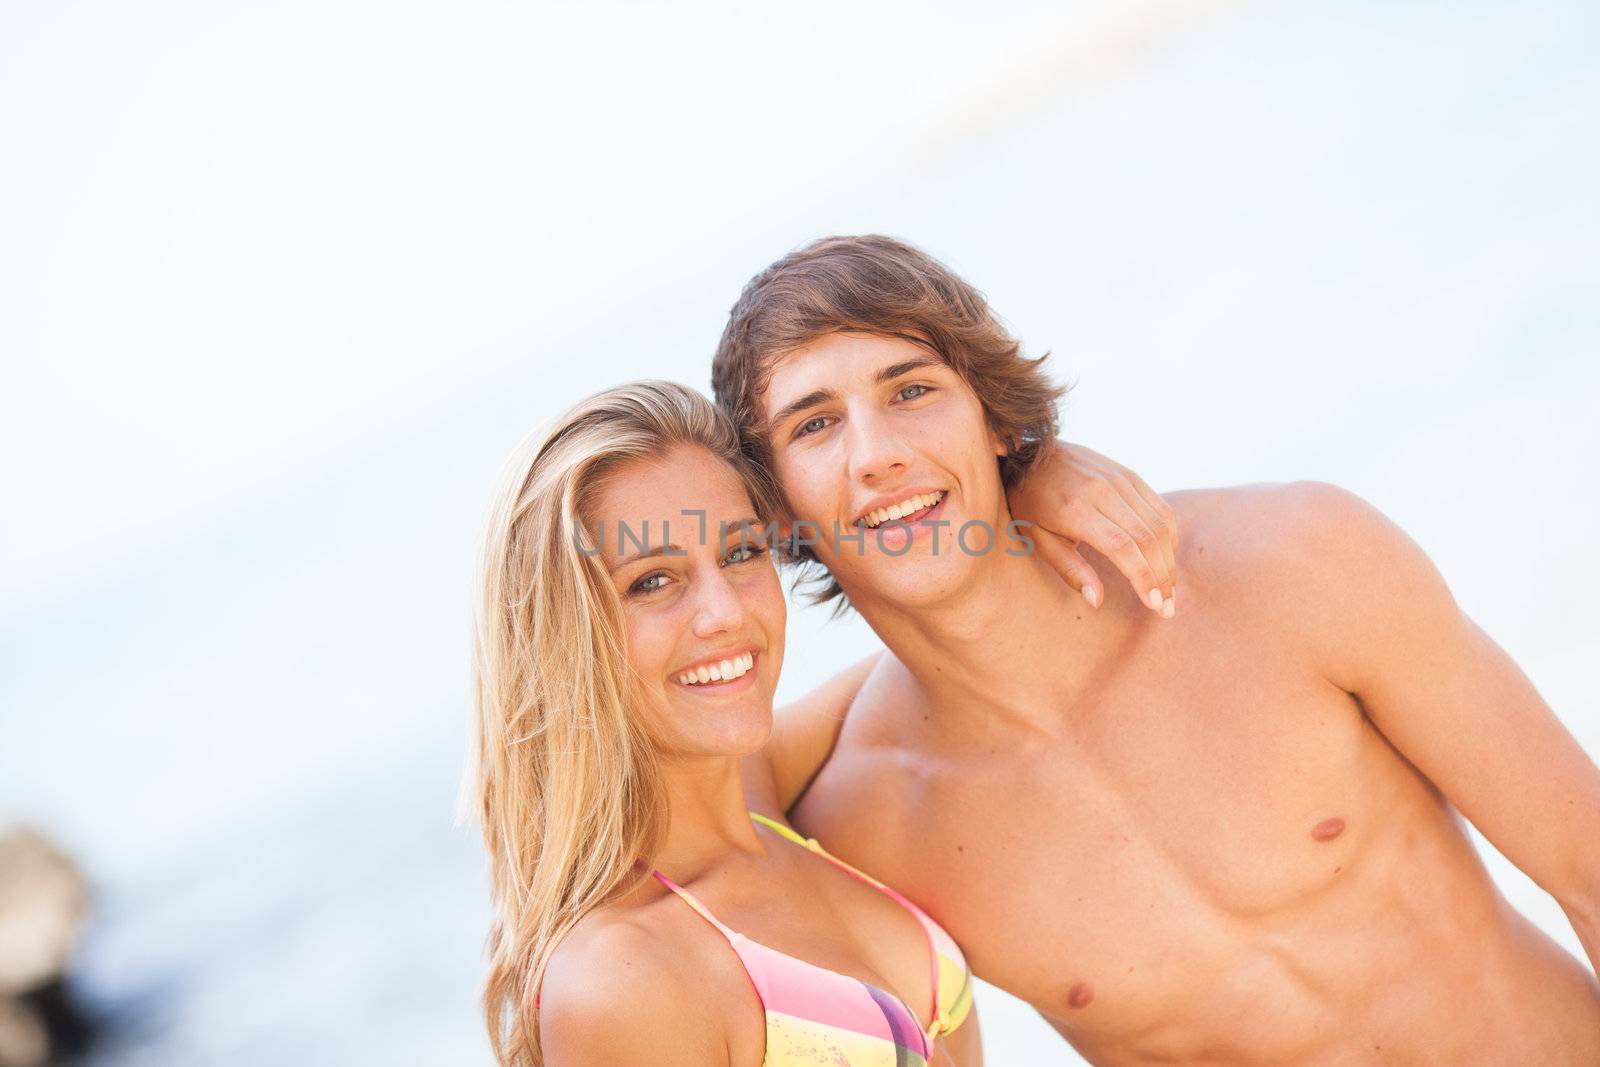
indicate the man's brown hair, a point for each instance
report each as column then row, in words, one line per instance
column 878, row 285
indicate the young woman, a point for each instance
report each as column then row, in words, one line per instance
column 651, row 904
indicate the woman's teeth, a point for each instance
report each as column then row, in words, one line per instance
column 726, row 671
column 908, row 506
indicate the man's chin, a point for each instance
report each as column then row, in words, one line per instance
column 903, row 582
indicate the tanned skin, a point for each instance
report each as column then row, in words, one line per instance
column 1230, row 837
column 647, row 980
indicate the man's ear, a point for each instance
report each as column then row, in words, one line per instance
column 1002, row 446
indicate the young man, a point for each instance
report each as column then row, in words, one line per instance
column 1226, row 837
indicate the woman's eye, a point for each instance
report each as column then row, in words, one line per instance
column 811, row 426
column 745, row 553
column 920, row 389
column 644, row 585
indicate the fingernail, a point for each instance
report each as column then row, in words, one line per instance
column 1092, row 595
column 1154, row 598
column 1170, row 608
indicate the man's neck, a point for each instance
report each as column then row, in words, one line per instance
column 1014, row 640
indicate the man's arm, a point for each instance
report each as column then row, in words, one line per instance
column 964, row 1048
column 803, row 735
column 1386, row 629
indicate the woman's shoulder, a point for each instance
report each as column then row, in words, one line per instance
column 629, row 985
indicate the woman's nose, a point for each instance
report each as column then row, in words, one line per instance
column 718, row 608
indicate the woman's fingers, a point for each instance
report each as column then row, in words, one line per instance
column 1119, row 534
column 1082, row 497
column 1063, row 556
column 1162, row 509
column 1157, row 518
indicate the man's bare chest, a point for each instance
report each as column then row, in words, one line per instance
column 1102, row 871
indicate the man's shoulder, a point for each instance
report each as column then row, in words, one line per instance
column 1271, row 532
column 1279, row 503
column 890, row 698
column 877, row 760
column 1304, row 560
column 804, row 734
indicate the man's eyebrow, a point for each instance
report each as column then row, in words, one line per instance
column 887, row 374
column 811, row 399
column 894, row 370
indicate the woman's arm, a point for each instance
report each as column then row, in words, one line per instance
column 616, row 995
column 1073, row 496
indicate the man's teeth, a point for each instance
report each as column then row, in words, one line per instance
column 905, row 507
column 725, row 671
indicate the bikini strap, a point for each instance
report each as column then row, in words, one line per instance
column 923, row 920
column 693, row 902
column 813, row 845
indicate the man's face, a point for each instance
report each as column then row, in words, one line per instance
column 860, row 423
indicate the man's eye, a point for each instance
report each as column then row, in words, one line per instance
column 643, row 585
column 811, row 426
column 920, row 389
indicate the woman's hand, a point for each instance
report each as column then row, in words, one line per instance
column 1075, row 496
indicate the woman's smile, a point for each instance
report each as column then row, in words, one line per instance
column 717, row 677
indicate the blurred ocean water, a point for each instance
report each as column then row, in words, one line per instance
column 294, row 281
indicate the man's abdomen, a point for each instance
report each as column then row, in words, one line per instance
column 1407, row 955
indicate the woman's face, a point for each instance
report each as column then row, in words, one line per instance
column 700, row 597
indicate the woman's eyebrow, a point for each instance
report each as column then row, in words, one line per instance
column 741, row 526
column 659, row 550
column 724, row 529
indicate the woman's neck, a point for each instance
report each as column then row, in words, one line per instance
column 708, row 815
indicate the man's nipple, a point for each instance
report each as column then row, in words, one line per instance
column 1327, row 829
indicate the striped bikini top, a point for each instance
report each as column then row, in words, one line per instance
column 815, row 1015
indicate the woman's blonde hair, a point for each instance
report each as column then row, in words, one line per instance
column 561, row 775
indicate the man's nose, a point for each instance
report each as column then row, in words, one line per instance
column 876, row 449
